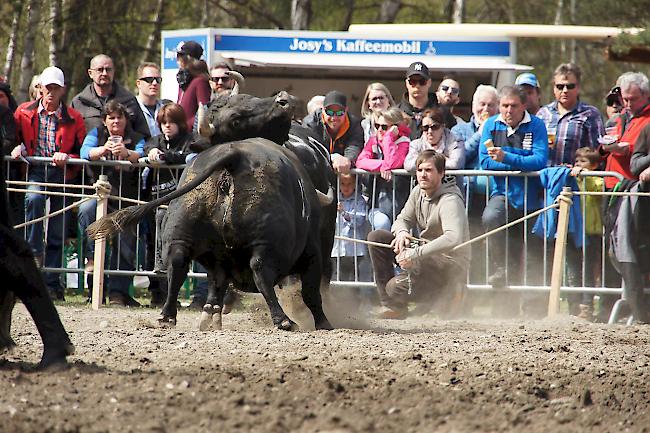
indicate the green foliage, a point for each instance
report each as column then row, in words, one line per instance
column 627, row 40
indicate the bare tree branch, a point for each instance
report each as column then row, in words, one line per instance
column 27, row 61
column 154, row 36
column 55, row 31
column 388, row 11
column 300, row 14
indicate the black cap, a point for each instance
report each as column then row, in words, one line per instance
column 192, row 49
column 417, row 68
column 614, row 97
column 335, row 98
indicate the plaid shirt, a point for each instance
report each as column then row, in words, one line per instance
column 580, row 127
column 47, row 125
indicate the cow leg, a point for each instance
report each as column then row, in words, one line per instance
column 178, row 266
column 264, row 277
column 211, row 314
column 311, row 280
column 7, row 301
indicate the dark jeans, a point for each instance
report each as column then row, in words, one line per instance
column 508, row 247
column 431, row 279
column 56, row 226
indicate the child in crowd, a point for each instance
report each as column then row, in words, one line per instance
column 588, row 159
column 350, row 222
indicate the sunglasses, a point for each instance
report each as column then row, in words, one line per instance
column 382, row 126
column 433, row 127
column 223, row 79
column 100, row 70
column 568, row 86
column 378, row 98
column 417, row 81
column 151, row 79
column 453, row 90
column 335, row 113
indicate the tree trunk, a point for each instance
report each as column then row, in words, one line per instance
column 13, row 37
column 574, row 47
column 349, row 6
column 457, row 11
column 558, row 22
column 205, row 14
column 389, row 10
column 27, row 62
column 154, row 37
column 300, row 14
column 55, row 31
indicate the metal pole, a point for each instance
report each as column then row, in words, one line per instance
column 560, row 252
column 100, row 248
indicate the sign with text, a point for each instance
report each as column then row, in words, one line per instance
column 336, row 45
column 172, row 44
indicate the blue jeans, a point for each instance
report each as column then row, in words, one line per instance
column 35, row 208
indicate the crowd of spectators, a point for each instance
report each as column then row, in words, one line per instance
column 509, row 130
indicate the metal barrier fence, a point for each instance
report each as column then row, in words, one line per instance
column 534, row 279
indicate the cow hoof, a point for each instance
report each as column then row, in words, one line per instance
column 205, row 321
column 287, row 325
column 166, row 321
column 210, row 318
column 216, row 321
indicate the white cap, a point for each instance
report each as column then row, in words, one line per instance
column 52, row 75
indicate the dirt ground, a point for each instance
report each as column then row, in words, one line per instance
column 417, row 375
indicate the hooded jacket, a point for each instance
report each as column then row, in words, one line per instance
column 441, row 219
column 90, row 105
column 452, row 148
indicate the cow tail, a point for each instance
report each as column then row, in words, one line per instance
column 118, row 221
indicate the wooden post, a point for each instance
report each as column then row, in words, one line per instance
column 559, row 255
column 100, row 250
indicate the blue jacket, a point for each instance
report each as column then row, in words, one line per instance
column 468, row 132
column 526, row 149
column 554, row 179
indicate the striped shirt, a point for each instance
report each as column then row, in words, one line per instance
column 577, row 128
column 47, row 126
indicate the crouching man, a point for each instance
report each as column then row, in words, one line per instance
column 430, row 271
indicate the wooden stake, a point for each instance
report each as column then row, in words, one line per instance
column 100, row 251
column 560, row 252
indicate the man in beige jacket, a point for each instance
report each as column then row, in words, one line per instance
column 435, row 209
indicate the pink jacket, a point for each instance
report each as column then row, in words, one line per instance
column 394, row 151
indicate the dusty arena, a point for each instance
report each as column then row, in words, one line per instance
column 417, row 375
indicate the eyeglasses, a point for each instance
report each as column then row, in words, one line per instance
column 378, row 98
column 223, row 79
column 101, row 70
column 382, row 126
column 151, row 79
column 453, row 90
column 417, row 81
column 433, row 127
column 568, row 86
column 334, row 113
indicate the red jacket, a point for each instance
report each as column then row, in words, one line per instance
column 70, row 132
column 620, row 162
column 199, row 90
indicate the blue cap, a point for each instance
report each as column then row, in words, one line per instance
column 527, row 78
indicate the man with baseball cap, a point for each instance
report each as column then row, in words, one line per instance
column 418, row 98
column 49, row 128
column 528, row 81
column 338, row 130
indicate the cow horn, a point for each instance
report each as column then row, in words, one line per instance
column 325, row 199
column 239, row 82
column 204, row 127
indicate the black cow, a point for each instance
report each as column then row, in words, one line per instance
column 249, row 213
column 21, row 278
column 241, row 116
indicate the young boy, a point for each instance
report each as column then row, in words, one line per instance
column 350, row 222
column 588, row 159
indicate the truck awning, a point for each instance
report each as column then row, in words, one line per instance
column 370, row 62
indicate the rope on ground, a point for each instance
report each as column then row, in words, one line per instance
column 53, row 214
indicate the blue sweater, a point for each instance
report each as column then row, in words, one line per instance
column 526, row 149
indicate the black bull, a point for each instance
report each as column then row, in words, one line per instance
column 249, row 213
column 241, row 116
column 21, row 278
